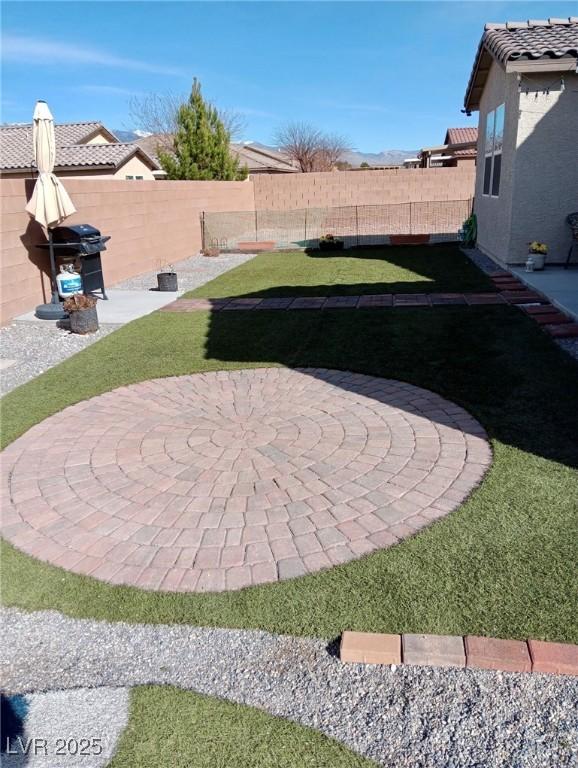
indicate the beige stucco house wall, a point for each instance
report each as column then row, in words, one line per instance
column 135, row 166
column 539, row 177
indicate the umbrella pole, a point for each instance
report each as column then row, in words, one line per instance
column 53, row 283
column 54, row 310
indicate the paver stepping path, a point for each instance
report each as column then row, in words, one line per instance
column 221, row 480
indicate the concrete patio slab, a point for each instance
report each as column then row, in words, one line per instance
column 558, row 284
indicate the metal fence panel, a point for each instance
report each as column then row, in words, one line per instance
column 355, row 224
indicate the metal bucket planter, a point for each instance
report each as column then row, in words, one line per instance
column 168, row 281
column 84, row 321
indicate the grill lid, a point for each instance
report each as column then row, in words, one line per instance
column 75, row 233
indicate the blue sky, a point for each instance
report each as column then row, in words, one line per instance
column 388, row 75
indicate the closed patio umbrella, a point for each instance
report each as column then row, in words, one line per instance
column 50, row 203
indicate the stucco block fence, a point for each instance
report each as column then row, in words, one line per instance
column 155, row 223
column 151, row 224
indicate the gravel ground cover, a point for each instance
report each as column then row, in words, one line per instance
column 29, row 349
column 77, row 727
column 483, row 262
column 398, row 717
column 192, row 272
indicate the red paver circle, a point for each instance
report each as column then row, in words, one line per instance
column 221, row 480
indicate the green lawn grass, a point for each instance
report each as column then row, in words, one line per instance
column 407, row 269
column 502, row 565
column 181, row 729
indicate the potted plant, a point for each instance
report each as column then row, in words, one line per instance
column 82, row 312
column 330, row 243
column 211, row 252
column 538, row 252
column 167, row 278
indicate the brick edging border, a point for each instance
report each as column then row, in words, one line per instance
column 470, row 651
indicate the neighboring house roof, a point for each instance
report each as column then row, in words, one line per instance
column 465, row 135
column 517, row 41
column 16, row 151
column 100, row 154
column 151, row 144
column 256, row 157
column 259, row 158
column 80, row 133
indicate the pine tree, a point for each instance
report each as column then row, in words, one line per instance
column 201, row 144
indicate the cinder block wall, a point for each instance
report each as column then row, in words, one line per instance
column 151, row 223
column 324, row 190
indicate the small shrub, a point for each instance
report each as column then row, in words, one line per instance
column 79, row 301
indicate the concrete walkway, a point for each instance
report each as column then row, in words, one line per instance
column 121, row 307
column 558, row 284
column 29, row 346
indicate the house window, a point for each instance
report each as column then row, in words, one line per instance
column 494, row 141
column 129, row 178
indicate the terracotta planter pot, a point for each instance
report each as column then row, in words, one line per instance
column 408, row 239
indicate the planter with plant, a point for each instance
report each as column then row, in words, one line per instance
column 330, row 243
column 167, row 279
column 538, row 252
column 211, row 252
column 82, row 313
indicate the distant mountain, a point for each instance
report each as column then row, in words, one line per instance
column 386, row 157
column 129, row 135
column 355, row 158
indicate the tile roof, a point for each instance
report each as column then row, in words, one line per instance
column 259, row 158
column 16, row 147
column 532, row 39
column 520, row 40
column 255, row 156
column 461, row 136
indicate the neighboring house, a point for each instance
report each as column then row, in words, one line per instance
column 82, row 149
column 257, row 157
column 261, row 159
column 525, row 86
column 459, row 148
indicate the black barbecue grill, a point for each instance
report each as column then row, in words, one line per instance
column 84, row 242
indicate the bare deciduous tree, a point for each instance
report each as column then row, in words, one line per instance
column 309, row 148
column 331, row 149
column 300, row 141
column 156, row 113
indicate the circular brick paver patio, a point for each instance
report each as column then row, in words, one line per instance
column 220, row 480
